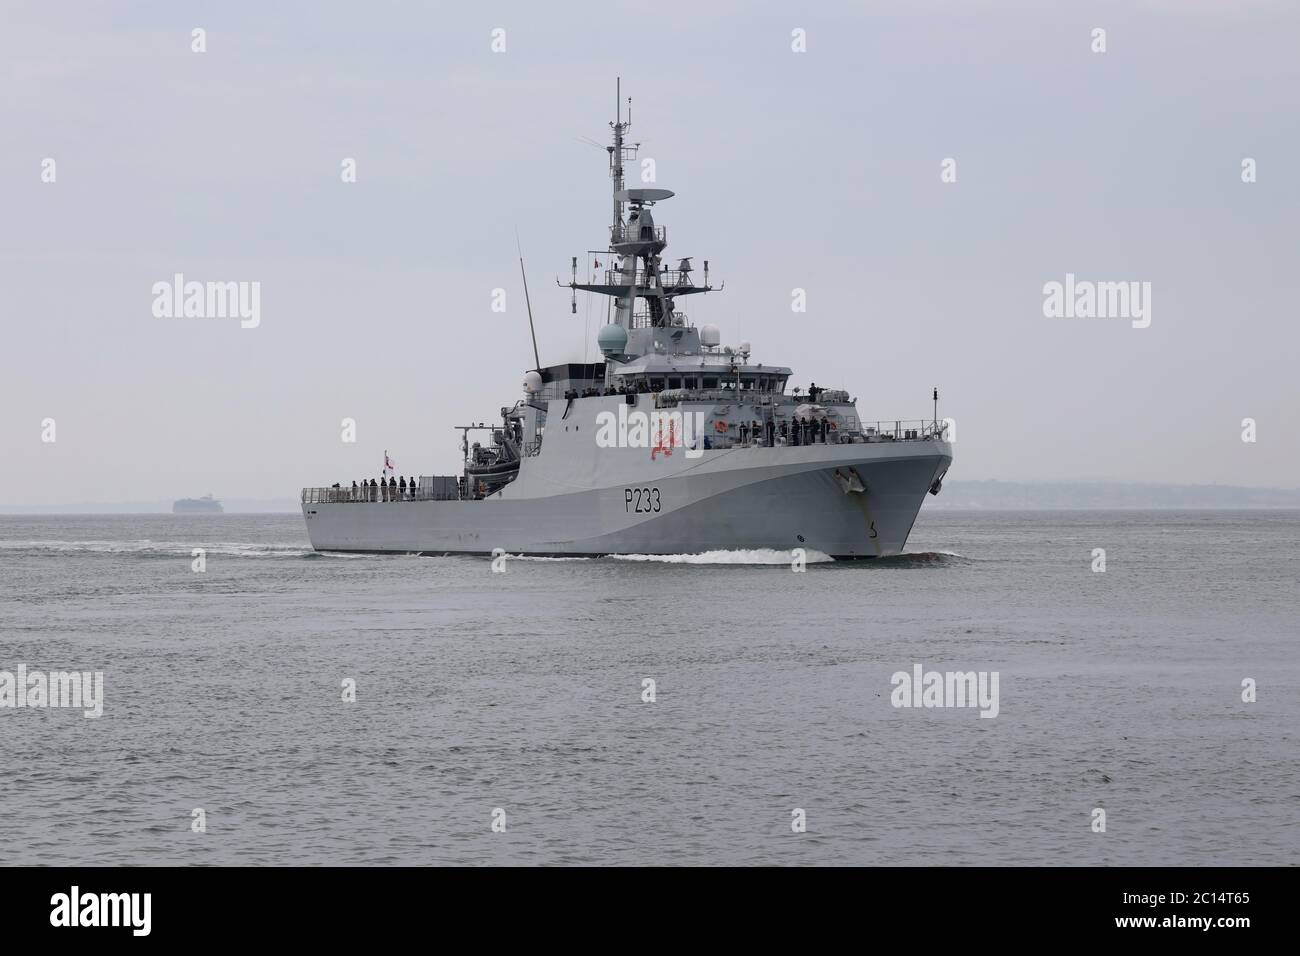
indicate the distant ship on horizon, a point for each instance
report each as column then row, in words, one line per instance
column 196, row 506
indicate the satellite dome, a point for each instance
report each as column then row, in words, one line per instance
column 744, row 348
column 612, row 339
column 533, row 382
column 710, row 336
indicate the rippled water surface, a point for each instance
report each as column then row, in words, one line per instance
column 523, row 691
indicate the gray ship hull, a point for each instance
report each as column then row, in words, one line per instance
column 778, row 498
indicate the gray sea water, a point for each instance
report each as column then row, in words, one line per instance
column 523, row 690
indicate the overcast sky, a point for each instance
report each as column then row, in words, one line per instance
column 817, row 170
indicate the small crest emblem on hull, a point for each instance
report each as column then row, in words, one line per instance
column 852, row 482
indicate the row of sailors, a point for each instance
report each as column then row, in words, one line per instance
column 381, row 490
column 817, row 431
column 640, row 388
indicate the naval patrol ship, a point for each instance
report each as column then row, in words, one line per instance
column 673, row 444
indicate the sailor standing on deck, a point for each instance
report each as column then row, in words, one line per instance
column 401, row 486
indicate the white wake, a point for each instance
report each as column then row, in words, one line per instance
column 750, row 556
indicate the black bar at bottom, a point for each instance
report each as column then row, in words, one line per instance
column 335, row 905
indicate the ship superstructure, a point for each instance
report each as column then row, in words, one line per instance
column 674, row 443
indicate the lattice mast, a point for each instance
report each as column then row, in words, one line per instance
column 635, row 246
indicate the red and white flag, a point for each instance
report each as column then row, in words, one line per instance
column 388, row 463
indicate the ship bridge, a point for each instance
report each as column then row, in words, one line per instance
column 702, row 372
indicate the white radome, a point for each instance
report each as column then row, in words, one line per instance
column 532, row 382
column 612, row 339
column 710, row 336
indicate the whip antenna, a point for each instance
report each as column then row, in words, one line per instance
column 529, row 304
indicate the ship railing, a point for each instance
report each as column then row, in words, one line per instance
column 744, row 435
column 643, row 319
column 918, row 429
column 847, row 425
column 335, row 496
column 743, row 396
column 668, row 278
column 554, row 393
column 634, row 232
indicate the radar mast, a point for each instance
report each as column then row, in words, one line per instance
column 633, row 267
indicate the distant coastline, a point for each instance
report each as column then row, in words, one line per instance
column 232, row 506
column 957, row 495
column 993, row 495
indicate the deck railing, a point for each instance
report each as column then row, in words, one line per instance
column 331, row 496
column 642, row 319
column 668, row 278
column 912, row 430
column 635, row 232
column 746, row 396
column 744, row 433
